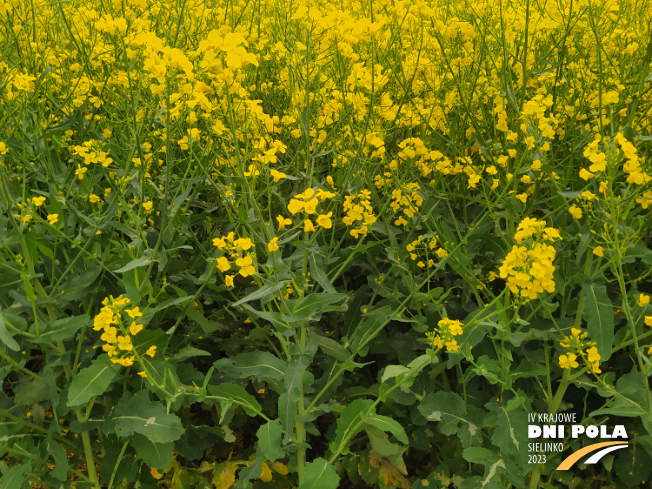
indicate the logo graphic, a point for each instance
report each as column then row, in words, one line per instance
column 607, row 447
column 549, row 434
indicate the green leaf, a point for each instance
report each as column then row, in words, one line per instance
column 258, row 364
column 349, row 424
column 237, row 395
column 630, row 402
column 319, row 475
column 190, row 352
column 157, row 455
column 632, row 466
column 149, row 313
column 207, row 326
column 330, row 347
column 138, row 414
column 143, row 261
column 5, row 337
column 479, row 455
column 317, row 271
column 369, row 327
column 254, row 471
column 14, row 478
column 61, row 466
column 301, row 309
column 599, row 318
column 276, row 318
column 388, row 424
column 264, row 291
column 447, row 408
column 391, row 451
column 269, row 440
column 510, row 433
column 289, row 399
column 392, row 371
column 92, row 381
column 62, row 329
column 470, row 421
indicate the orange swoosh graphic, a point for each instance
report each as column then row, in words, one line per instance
column 575, row 456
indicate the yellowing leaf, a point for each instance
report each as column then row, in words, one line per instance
column 280, row 468
column 266, row 476
column 388, row 475
column 224, row 475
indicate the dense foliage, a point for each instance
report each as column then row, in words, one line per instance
column 316, row 244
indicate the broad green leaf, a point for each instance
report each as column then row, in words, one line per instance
column 190, row 352
column 276, row 318
column 447, row 408
column 138, row 414
column 92, row 381
column 317, row 272
column 632, row 466
column 253, row 471
column 330, row 347
column 14, row 478
column 599, row 318
column 197, row 438
column 265, row 291
column 258, row 364
column 147, row 338
column 479, row 455
column 510, row 433
column 301, row 309
column 269, row 440
column 149, row 313
column 78, row 285
column 369, row 327
column 157, row 455
column 30, row 392
column 631, row 400
column 207, row 326
column 319, row 475
column 237, row 395
column 61, row 466
column 349, row 424
column 62, row 329
column 379, row 441
column 5, row 337
column 388, row 424
column 143, row 261
column 289, row 399
column 392, row 371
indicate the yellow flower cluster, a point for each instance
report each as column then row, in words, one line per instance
column 528, row 269
column 408, row 200
column 118, row 344
column 307, row 202
column 235, row 249
column 444, row 333
column 632, row 165
column 359, row 213
column 421, row 247
column 579, row 347
column 93, row 152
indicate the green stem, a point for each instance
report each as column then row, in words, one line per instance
column 552, row 409
column 117, row 464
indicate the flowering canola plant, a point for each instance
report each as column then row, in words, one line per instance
column 321, row 244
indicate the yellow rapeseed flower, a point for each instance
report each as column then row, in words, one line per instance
column 273, row 244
